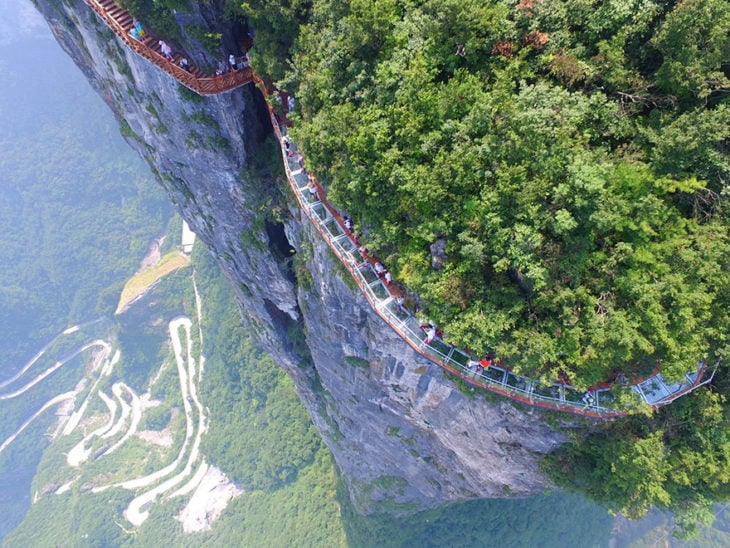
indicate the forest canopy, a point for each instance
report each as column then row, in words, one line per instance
column 571, row 156
column 571, row 159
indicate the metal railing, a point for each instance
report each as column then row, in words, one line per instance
column 495, row 379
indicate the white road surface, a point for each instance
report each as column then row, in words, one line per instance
column 125, row 411
column 42, row 351
column 136, row 513
column 56, row 366
column 79, row 453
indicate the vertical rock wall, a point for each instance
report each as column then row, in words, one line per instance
column 404, row 436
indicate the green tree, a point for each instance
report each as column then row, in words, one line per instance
column 677, row 460
column 694, row 41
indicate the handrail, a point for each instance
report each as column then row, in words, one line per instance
column 332, row 230
column 207, row 85
column 495, row 379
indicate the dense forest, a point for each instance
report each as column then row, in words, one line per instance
column 550, row 180
column 571, row 160
column 261, row 435
column 569, row 156
column 78, row 211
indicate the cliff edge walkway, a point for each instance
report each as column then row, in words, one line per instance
column 122, row 23
column 598, row 402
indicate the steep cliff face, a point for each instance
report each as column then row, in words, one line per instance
column 404, row 436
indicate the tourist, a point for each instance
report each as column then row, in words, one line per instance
column 232, row 61
column 430, row 329
column 387, row 277
column 347, row 221
column 399, row 304
column 137, row 31
column 364, row 255
column 430, row 333
column 379, row 268
column 165, row 49
column 184, row 64
column 290, row 103
column 312, row 186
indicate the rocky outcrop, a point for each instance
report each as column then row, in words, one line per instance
column 405, row 436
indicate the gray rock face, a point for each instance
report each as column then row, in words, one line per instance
column 405, row 436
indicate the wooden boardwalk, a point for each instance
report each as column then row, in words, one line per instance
column 121, row 22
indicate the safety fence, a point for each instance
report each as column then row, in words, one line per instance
column 599, row 403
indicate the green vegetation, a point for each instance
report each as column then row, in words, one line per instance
column 354, row 361
column 87, row 182
column 293, row 496
column 250, row 398
column 159, row 16
column 89, row 523
column 78, row 210
column 144, row 339
column 572, row 156
column 300, row 264
column 571, row 165
column 202, row 117
column 676, row 460
column 657, row 532
column 260, row 434
column 157, row 418
column 572, row 159
column 276, row 26
column 248, row 394
column 545, row 520
column 189, row 95
column 211, row 41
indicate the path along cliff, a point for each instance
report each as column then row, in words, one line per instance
column 404, row 436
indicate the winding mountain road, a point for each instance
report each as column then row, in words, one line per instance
column 136, row 513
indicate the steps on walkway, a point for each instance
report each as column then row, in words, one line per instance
column 193, row 77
